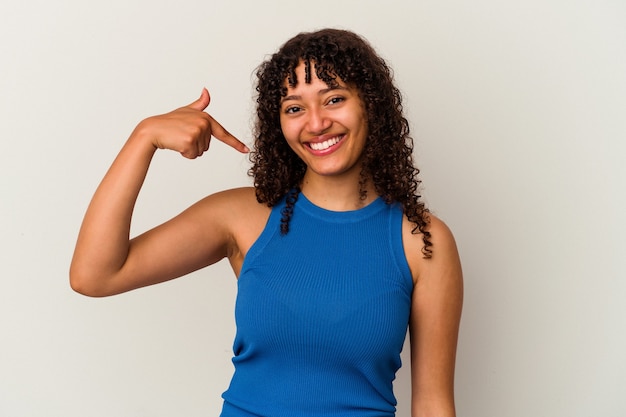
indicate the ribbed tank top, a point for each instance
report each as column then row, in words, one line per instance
column 321, row 314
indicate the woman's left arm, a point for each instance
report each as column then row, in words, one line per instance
column 435, row 316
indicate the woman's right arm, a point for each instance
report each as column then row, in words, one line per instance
column 105, row 260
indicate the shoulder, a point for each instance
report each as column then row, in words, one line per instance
column 445, row 256
column 233, row 202
column 233, row 209
column 240, row 216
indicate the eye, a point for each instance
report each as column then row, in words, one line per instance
column 336, row 100
column 292, row 110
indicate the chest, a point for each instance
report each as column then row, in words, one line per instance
column 330, row 287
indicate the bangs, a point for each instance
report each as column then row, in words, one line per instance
column 323, row 71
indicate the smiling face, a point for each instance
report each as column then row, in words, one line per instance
column 324, row 125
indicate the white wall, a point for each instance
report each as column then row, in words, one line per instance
column 519, row 114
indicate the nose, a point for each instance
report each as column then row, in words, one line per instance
column 317, row 121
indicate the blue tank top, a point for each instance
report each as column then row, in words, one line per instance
column 321, row 314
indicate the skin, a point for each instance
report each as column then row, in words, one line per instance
column 107, row 262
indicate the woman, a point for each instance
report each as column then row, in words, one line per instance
column 334, row 251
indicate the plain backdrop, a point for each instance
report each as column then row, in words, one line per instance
column 518, row 111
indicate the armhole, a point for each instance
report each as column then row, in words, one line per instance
column 272, row 226
column 396, row 219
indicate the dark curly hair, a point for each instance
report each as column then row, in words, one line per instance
column 388, row 153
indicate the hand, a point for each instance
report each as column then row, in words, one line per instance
column 188, row 130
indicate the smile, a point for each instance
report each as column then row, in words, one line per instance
column 320, row 146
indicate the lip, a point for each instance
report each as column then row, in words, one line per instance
column 323, row 142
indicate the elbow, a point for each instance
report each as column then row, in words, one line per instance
column 81, row 283
column 79, row 286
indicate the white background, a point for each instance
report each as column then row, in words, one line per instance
column 518, row 110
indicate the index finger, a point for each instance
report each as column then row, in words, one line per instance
column 224, row 136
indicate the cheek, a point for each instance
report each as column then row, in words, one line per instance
column 289, row 130
column 284, row 127
column 357, row 117
column 360, row 124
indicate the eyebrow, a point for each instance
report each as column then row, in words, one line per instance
column 319, row 93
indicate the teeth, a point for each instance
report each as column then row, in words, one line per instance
column 325, row 145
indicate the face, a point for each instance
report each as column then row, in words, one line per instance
column 325, row 126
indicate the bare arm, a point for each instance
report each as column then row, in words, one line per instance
column 434, row 326
column 105, row 260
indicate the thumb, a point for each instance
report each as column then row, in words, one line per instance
column 202, row 102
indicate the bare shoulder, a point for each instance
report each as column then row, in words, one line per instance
column 234, row 195
column 235, row 210
column 232, row 203
column 445, row 256
column 240, row 215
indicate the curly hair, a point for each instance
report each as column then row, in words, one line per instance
column 388, row 153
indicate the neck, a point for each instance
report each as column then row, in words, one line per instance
column 336, row 194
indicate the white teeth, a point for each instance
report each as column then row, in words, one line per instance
column 325, row 145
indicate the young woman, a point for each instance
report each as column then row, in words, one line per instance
column 334, row 252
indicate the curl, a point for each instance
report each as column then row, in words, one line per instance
column 287, row 211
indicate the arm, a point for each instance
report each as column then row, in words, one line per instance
column 435, row 315
column 105, row 260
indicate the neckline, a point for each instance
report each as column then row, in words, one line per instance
column 339, row 216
